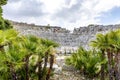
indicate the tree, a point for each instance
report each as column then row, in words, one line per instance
column 111, row 46
column 16, row 52
column 3, row 2
column 87, row 61
column 29, row 43
column 114, row 39
column 49, row 45
column 10, row 53
column 4, row 24
column 101, row 43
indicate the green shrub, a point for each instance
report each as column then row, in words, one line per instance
column 88, row 62
column 22, row 57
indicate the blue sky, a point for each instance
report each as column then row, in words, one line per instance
column 111, row 17
column 65, row 13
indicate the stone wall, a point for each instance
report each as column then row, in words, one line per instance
column 68, row 41
column 93, row 29
column 47, row 28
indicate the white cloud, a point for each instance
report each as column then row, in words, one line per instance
column 118, row 22
column 105, row 5
column 65, row 13
column 70, row 3
column 51, row 6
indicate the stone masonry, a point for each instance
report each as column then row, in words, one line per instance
column 67, row 40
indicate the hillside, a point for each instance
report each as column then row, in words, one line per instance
column 68, row 41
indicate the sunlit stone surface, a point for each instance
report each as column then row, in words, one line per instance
column 69, row 42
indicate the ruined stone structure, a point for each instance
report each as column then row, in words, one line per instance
column 79, row 37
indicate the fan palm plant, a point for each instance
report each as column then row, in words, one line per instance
column 101, row 43
column 89, row 62
column 110, row 43
column 12, row 57
column 30, row 44
column 8, row 52
column 49, row 51
column 41, row 48
column 15, row 52
column 7, row 36
column 114, row 39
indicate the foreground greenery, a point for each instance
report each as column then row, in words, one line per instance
column 22, row 57
column 27, row 57
column 105, row 51
column 87, row 61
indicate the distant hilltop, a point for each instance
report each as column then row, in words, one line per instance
column 21, row 25
column 95, row 28
column 79, row 37
column 81, row 30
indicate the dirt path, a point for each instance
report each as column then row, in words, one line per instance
column 67, row 73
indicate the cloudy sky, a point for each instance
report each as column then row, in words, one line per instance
column 65, row 13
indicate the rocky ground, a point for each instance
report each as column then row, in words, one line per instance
column 66, row 72
column 68, row 75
